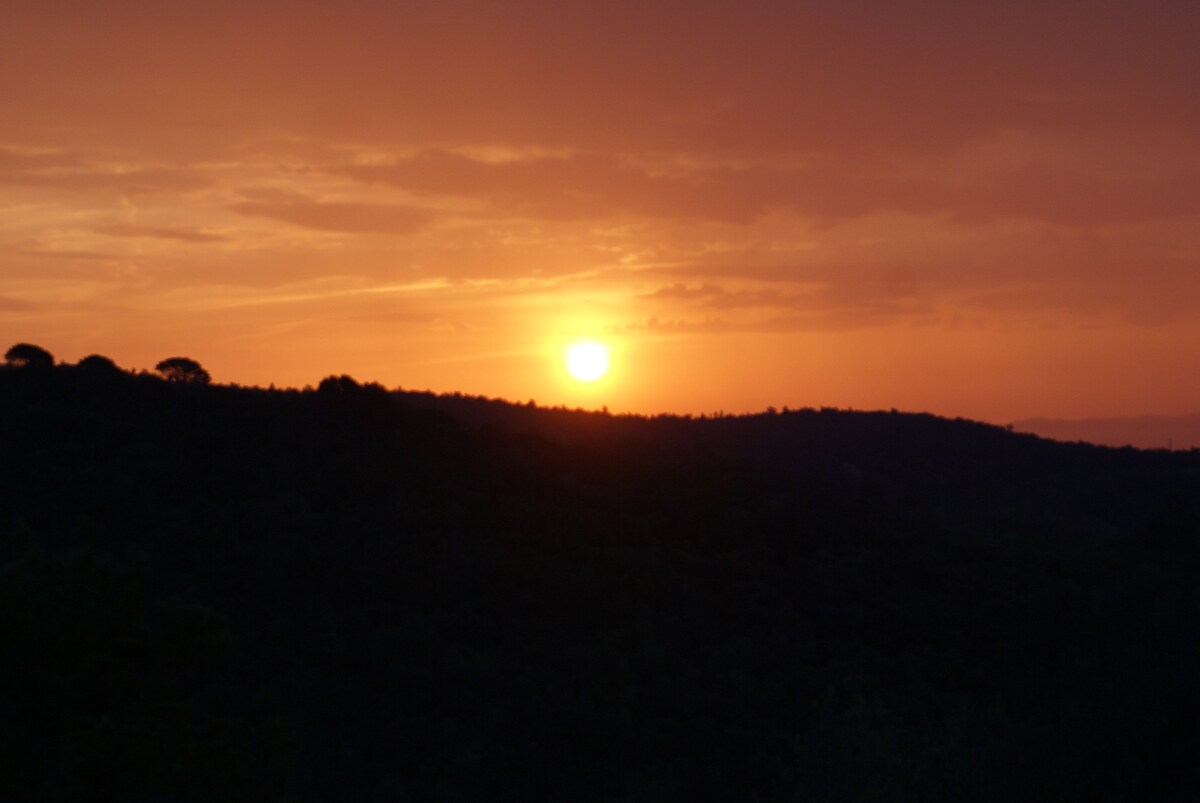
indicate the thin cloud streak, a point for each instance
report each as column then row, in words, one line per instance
column 338, row 216
column 598, row 187
column 178, row 233
column 259, row 299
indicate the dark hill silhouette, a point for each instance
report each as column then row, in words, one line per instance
column 212, row 592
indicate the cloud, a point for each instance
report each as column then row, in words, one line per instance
column 813, row 319
column 683, row 292
column 581, row 186
column 178, row 233
column 70, row 171
column 596, row 186
column 42, row 252
column 336, row 216
column 666, row 76
column 16, row 161
column 714, row 297
column 16, row 305
column 1143, row 290
column 1073, row 197
column 1079, row 276
column 837, row 301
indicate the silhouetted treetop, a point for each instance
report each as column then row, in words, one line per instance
column 183, row 369
column 99, row 364
column 27, row 355
column 339, row 385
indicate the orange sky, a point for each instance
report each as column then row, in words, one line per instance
column 979, row 209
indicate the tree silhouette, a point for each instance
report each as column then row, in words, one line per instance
column 184, row 370
column 343, row 385
column 98, row 364
column 27, row 355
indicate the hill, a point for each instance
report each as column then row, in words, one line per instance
column 218, row 593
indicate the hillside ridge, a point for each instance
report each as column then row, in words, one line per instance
column 342, row 593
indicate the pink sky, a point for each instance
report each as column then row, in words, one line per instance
column 977, row 209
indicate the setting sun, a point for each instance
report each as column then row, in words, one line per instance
column 587, row 361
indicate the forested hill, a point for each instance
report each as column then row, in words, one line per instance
column 220, row 593
column 916, row 458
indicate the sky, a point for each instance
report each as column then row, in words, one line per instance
column 977, row 209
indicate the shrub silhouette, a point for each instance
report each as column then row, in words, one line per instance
column 183, row 370
column 27, row 355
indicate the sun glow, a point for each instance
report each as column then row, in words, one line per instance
column 587, row 361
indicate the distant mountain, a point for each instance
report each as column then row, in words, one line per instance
column 1142, row 432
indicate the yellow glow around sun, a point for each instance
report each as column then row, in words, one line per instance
column 587, row 361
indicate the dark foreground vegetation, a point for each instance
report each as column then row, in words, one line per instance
column 225, row 594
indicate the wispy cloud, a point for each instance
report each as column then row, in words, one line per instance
column 348, row 217
column 70, row 171
column 178, row 233
column 16, row 305
column 602, row 186
column 50, row 252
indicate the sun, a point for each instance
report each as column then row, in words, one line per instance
column 587, row 360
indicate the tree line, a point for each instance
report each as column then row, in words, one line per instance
column 184, row 370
